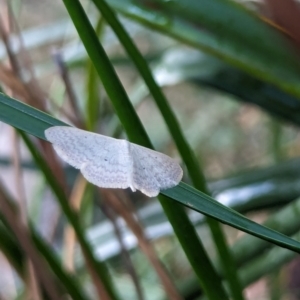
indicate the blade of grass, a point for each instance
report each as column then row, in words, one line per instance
column 275, row 63
column 247, row 88
column 92, row 86
column 210, row 208
column 16, row 113
column 248, row 247
column 21, row 232
column 137, row 134
column 184, row 149
column 12, row 250
column 65, row 279
column 266, row 263
column 182, row 193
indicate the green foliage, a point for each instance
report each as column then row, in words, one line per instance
column 237, row 53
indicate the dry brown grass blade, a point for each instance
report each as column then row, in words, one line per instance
column 100, row 288
column 69, row 89
column 7, row 279
column 21, row 232
column 69, row 234
column 14, row 84
column 5, row 37
column 19, row 178
column 33, row 292
column 122, row 210
column 110, row 214
column 34, row 94
column 30, row 93
column 9, row 79
column 286, row 14
column 70, row 240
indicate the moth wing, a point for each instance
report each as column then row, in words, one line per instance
column 103, row 161
column 153, row 171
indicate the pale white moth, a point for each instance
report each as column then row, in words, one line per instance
column 113, row 163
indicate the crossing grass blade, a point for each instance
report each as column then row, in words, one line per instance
column 25, row 117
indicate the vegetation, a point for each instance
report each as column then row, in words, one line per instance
column 165, row 75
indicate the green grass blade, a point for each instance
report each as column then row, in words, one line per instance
column 17, row 114
column 11, row 250
column 248, row 247
column 92, row 87
column 184, row 149
column 246, row 88
column 273, row 63
column 182, row 193
column 70, row 283
column 137, row 134
column 16, row 257
column 210, row 207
